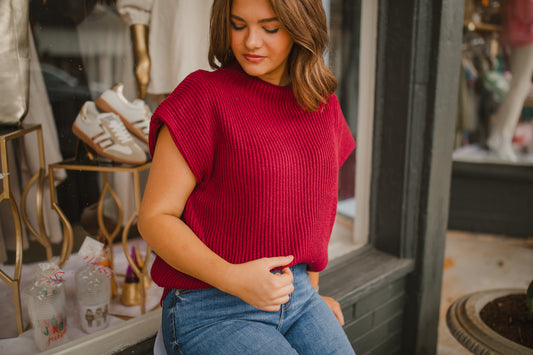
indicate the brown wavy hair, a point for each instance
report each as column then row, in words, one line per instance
column 305, row 21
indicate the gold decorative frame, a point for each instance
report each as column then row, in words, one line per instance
column 105, row 168
column 7, row 134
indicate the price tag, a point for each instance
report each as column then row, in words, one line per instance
column 90, row 248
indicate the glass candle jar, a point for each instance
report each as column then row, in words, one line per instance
column 93, row 290
column 47, row 311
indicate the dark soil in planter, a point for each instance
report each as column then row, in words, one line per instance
column 507, row 316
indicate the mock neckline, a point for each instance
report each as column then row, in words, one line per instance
column 237, row 67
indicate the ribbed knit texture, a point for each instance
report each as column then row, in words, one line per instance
column 267, row 170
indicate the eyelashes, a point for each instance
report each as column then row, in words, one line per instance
column 235, row 27
column 238, row 28
column 271, row 31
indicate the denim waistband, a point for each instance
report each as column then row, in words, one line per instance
column 297, row 270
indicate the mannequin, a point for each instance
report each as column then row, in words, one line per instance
column 170, row 40
column 518, row 36
column 139, row 35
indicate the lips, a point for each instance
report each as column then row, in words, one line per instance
column 254, row 58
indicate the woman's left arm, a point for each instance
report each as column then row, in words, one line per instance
column 334, row 305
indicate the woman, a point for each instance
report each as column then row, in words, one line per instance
column 242, row 192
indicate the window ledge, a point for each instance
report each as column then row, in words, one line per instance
column 353, row 276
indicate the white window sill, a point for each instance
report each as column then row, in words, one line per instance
column 342, row 238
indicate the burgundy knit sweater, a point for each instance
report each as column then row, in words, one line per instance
column 266, row 170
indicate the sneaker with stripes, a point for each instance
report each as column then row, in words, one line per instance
column 135, row 114
column 106, row 135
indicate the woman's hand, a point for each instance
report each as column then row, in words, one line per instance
column 254, row 283
column 335, row 307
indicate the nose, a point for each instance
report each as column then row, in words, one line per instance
column 253, row 39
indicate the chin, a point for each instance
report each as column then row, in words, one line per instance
column 253, row 73
column 251, row 68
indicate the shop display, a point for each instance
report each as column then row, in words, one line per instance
column 140, row 264
column 170, row 39
column 496, row 79
column 25, row 343
column 106, row 261
column 105, row 134
column 135, row 114
column 14, row 61
column 47, row 307
column 518, row 37
column 483, row 83
column 93, row 287
column 131, row 293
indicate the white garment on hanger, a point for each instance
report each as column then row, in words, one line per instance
column 105, row 49
column 27, row 162
column 178, row 41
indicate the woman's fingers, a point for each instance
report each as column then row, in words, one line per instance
column 278, row 261
column 257, row 285
column 286, row 289
column 284, row 279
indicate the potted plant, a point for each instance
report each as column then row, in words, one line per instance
column 494, row 321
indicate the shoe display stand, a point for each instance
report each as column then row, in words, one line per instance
column 8, row 134
column 105, row 167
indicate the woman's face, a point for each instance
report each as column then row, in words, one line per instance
column 259, row 42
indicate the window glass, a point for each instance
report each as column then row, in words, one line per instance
column 84, row 48
column 343, row 58
column 494, row 121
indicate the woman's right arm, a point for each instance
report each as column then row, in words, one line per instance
column 169, row 185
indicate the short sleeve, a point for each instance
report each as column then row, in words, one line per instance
column 345, row 141
column 188, row 115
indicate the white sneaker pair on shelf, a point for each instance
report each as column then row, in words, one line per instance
column 135, row 114
column 106, row 134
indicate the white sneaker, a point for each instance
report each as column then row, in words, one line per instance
column 106, row 134
column 135, row 114
column 502, row 147
column 141, row 143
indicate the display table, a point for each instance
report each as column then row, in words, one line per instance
column 119, row 314
column 105, row 168
column 8, row 134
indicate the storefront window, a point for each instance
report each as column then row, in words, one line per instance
column 343, row 59
column 495, row 107
column 352, row 58
column 84, row 48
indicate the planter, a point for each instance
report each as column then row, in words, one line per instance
column 469, row 329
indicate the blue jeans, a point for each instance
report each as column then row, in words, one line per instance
column 213, row 322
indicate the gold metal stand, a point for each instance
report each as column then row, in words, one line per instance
column 105, row 168
column 7, row 134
